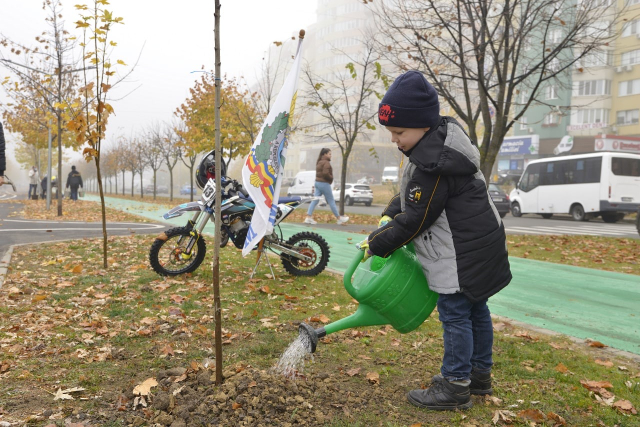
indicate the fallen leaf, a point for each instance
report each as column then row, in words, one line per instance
column 504, row 416
column 625, row 406
column 535, row 415
column 352, row 372
column 607, row 363
column 77, row 269
column 64, row 394
column 373, row 378
column 499, row 326
column 596, row 344
column 557, row 419
column 493, row 400
column 596, row 385
column 144, row 388
column 561, row 368
column 264, row 289
column 236, row 405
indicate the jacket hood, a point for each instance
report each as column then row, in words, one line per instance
column 446, row 150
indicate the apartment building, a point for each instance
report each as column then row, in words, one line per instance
column 597, row 104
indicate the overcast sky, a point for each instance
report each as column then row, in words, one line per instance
column 173, row 38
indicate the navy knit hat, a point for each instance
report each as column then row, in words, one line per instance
column 410, row 102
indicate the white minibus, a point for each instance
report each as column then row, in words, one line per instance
column 585, row 186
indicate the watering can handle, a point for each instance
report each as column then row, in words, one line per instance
column 349, row 273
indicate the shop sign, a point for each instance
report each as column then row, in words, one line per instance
column 520, row 145
column 588, row 126
column 617, row 144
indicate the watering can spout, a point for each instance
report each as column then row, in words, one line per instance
column 311, row 336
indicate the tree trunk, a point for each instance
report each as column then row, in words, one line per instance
column 171, row 184
column 104, row 215
column 133, row 179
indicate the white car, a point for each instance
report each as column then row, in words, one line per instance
column 354, row 193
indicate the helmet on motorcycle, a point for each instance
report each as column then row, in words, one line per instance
column 207, row 169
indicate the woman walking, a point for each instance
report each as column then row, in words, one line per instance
column 324, row 179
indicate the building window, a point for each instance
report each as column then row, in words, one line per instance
column 551, row 119
column 523, row 123
column 552, row 92
column 524, row 97
column 629, row 87
column 597, row 58
column 589, row 116
column 555, row 36
column 631, row 28
column 633, row 2
column 630, row 58
column 554, row 65
column 627, row 117
column 592, row 88
column 598, row 29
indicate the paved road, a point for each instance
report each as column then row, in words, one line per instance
column 14, row 230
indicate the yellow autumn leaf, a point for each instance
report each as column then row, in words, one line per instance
column 77, row 269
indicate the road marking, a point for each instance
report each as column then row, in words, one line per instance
column 570, row 230
column 52, row 229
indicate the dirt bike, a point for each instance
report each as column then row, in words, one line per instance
column 181, row 250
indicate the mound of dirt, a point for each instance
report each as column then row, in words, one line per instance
column 247, row 397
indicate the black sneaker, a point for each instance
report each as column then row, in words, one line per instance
column 480, row 383
column 441, row 396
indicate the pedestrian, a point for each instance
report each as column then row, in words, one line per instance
column 324, row 179
column 74, row 180
column 43, row 186
column 34, row 179
column 3, row 159
column 445, row 209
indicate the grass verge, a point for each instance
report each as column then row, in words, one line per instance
column 66, row 322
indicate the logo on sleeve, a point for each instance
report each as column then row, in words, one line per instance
column 414, row 194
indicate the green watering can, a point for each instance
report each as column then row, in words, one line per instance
column 390, row 290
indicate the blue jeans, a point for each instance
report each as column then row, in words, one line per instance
column 34, row 188
column 323, row 189
column 74, row 193
column 468, row 336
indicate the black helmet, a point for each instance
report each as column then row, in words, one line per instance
column 207, row 169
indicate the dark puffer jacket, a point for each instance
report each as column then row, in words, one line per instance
column 444, row 207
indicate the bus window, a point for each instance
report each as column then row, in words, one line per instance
column 547, row 173
column 593, row 166
column 530, row 178
column 625, row 167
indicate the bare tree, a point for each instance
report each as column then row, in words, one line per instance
column 170, row 153
column 138, row 150
column 154, row 140
column 480, row 54
column 345, row 103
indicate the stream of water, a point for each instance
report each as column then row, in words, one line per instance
column 291, row 363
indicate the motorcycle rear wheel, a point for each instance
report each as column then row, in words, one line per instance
column 165, row 255
column 312, row 245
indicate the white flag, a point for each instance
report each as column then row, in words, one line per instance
column 263, row 170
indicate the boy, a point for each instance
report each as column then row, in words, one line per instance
column 459, row 238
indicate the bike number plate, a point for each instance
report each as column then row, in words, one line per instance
column 209, row 192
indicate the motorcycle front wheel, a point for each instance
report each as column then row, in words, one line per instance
column 311, row 245
column 168, row 255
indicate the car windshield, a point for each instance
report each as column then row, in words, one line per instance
column 493, row 187
column 362, row 187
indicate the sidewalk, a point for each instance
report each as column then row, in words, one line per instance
column 579, row 302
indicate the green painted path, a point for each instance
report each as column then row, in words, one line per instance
column 574, row 301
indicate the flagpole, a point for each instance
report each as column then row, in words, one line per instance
column 218, row 201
